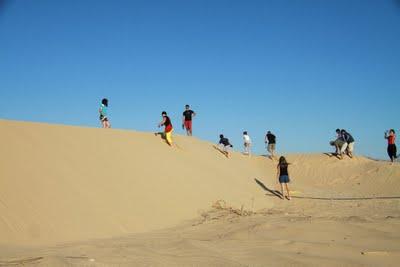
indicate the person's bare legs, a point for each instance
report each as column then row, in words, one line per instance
column 168, row 138
column 283, row 195
column 108, row 124
column 287, row 190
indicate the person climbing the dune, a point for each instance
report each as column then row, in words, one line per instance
column 224, row 145
column 166, row 122
column 283, row 176
column 270, row 141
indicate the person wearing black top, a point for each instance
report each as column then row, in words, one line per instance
column 283, row 176
column 270, row 140
column 188, row 115
column 224, row 145
column 348, row 138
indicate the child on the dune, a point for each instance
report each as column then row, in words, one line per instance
column 103, row 113
column 283, row 176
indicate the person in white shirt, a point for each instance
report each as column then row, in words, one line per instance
column 247, row 143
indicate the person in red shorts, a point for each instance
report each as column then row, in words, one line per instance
column 188, row 115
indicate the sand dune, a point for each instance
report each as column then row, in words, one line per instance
column 63, row 184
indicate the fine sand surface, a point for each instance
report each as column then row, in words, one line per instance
column 73, row 196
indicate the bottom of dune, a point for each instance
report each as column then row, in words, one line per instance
column 300, row 232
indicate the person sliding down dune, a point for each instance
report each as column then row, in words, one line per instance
column 166, row 122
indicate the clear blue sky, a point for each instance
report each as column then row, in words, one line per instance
column 298, row 68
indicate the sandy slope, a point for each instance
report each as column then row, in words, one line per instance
column 62, row 184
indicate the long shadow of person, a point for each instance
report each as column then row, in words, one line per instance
column 274, row 192
column 221, row 151
column 331, row 154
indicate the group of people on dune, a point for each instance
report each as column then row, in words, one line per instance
column 270, row 142
column 343, row 143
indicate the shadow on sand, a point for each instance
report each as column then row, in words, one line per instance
column 331, row 154
column 222, row 152
column 273, row 192
column 278, row 194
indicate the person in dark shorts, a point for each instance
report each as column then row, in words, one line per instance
column 188, row 115
column 391, row 149
column 224, row 145
column 103, row 113
column 270, row 141
column 283, row 176
column 166, row 122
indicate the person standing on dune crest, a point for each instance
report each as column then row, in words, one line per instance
column 350, row 142
column 188, row 115
column 166, row 122
column 103, row 113
column 247, row 143
column 391, row 149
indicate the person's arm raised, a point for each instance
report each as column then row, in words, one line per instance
column 162, row 122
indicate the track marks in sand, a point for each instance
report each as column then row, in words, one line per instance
column 21, row 262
